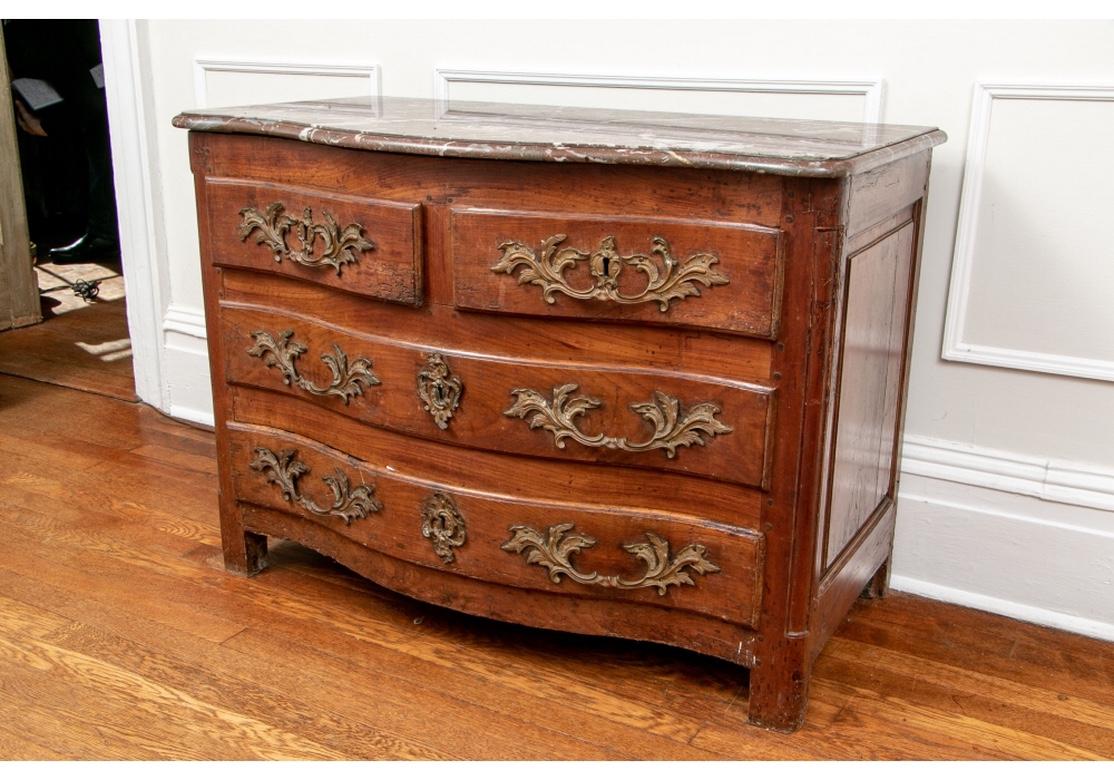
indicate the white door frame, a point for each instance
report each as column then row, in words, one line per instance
column 138, row 203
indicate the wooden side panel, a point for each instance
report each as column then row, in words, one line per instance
column 323, row 224
column 869, row 386
column 688, row 272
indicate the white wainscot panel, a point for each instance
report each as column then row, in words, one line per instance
column 1033, row 272
column 858, row 100
column 230, row 82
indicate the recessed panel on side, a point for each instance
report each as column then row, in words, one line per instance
column 877, row 299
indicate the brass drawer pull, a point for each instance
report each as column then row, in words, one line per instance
column 349, row 379
column 284, row 470
column 554, row 550
column 443, row 525
column 672, row 428
column 339, row 247
column 666, row 279
column 439, row 390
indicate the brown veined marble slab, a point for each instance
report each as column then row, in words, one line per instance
column 508, row 131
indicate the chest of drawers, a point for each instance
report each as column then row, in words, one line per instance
column 617, row 373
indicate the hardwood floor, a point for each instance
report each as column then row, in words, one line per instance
column 122, row 637
column 86, row 349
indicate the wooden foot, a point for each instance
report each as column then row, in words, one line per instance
column 879, row 585
column 778, row 697
column 244, row 552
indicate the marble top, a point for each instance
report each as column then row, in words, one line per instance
column 508, row 131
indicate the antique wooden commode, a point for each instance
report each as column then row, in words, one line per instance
column 616, row 373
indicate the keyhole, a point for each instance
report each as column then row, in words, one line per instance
column 439, row 394
column 606, row 265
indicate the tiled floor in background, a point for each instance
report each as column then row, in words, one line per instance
column 55, row 284
column 79, row 344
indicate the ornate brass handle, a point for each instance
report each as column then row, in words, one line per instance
column 284, row 470
column 439, row 390
column 555, row 549
column 665, row 282
column 443, row 525
column 349, row 379
column 672, row 428
column 339, row 246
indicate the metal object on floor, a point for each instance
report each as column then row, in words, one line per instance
column 88, row 291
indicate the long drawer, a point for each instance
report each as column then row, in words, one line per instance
column 566, row 548
column 595, row 412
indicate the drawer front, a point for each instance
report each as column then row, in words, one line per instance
column 719, row 275
column 597, row 413
column 581, row 550
column 359, row 245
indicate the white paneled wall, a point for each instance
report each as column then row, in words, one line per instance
column 852, row 100
column 1008, row 483
column 1029, row 242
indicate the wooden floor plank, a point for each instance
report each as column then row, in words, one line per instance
column 122, row 637
column 52, row 351
column 168, row 646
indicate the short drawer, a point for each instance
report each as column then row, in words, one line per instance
column 506, row 403
column 685, row 563
column 359, row 245
column 692, row 273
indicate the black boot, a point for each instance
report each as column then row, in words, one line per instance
column 87, row 249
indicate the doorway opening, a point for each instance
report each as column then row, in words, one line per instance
column 59, row 115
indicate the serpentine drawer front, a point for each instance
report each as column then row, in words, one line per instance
column 576, row 369
column 577, row 412
column 573, row 548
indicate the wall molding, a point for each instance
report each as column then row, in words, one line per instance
column 202, row 66
column 872, row 90
column 956, row 347
column 185, row 320
column 139, row 206
column 1064, row 482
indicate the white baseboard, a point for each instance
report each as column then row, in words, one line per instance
column 1050, row 480
column 1007, row 533
column 186, row 365
column 189, row 414
column 1026, row 612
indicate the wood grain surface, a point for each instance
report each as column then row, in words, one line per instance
column 391, row 269
column 779, row 396
column 743, row 298
column 86, row 349
column 489, row 382
column 122, row 637
column 729, row 592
